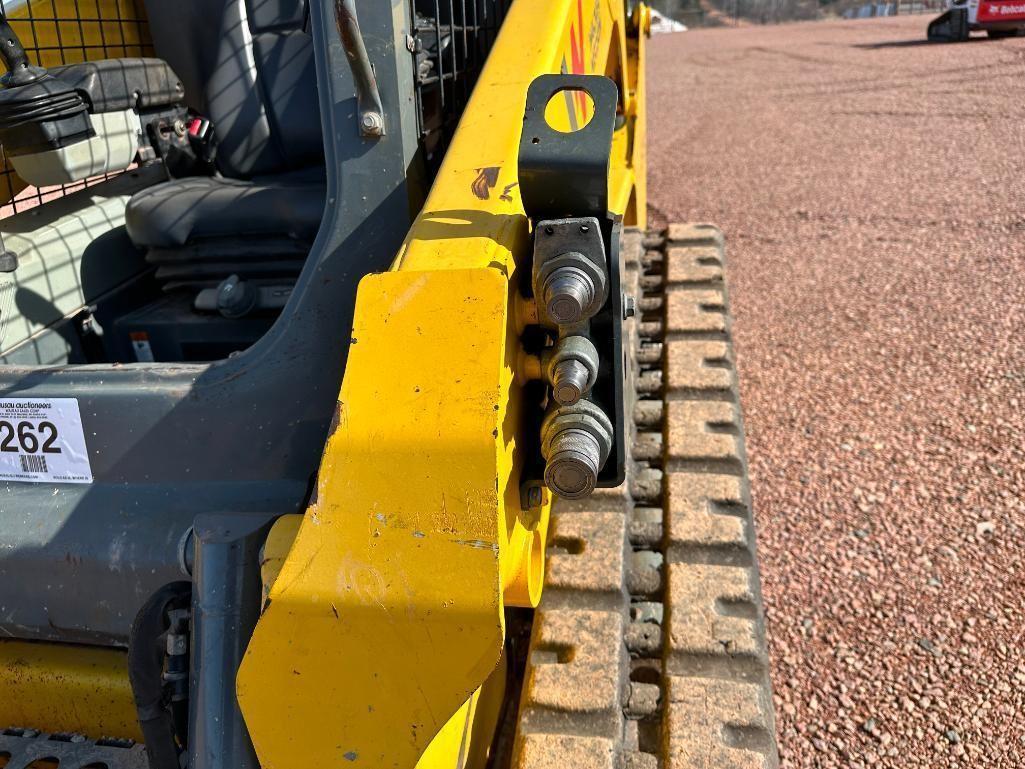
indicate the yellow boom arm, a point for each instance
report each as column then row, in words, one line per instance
column 382, row 641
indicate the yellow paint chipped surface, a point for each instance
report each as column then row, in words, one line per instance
column 66, row 688
column 408, row 488
column 388, row 615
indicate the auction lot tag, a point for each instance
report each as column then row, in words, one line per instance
column 41, row 441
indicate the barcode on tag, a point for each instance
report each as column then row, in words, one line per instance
column 30, row 464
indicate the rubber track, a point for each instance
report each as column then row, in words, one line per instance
column 648, row 649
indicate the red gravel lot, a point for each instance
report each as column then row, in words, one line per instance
column 872, row 190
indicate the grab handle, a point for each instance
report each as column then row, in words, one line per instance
column 368, row 96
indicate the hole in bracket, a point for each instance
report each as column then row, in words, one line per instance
column 569, row 110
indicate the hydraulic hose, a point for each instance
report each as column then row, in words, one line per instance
column 146, row 653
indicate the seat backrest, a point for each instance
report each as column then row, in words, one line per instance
column 248, row 66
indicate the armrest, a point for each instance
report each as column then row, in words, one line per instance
column 110, row 85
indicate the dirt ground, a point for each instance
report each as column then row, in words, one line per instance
column 872, row 190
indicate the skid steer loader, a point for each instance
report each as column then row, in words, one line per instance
column 348, row 414
column 998, row 18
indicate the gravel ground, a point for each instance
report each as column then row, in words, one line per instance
column 872, row 189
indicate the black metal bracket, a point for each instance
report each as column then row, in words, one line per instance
column 566, row 175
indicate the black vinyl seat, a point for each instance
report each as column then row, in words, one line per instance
column 173, row 214
column 200, row 230
column 248, row 66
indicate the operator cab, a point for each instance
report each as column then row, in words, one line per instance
column 204, row 188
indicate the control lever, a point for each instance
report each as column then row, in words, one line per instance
column 19, row 71
column 237, row 298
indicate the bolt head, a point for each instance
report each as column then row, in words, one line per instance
column 371, row 123
column 629, row 306
column 535, row 497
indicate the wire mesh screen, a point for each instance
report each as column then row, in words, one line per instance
column 452, row 41
column 56, row 32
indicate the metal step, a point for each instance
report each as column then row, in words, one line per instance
column 27, row 747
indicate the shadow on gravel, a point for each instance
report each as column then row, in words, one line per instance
column 912, row 43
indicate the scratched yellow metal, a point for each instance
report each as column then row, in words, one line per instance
column 388, row 612
column 66, row 688
column 464, row 224
column 467, row 736
column 383, row 637
column 634, row 84
column 275, row 549
column 466, row 739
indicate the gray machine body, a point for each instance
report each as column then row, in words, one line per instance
column 226, row 597
column 170, row 442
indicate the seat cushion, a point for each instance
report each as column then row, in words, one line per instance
column 175, row 213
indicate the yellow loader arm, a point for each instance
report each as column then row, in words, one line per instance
column 381, row 644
